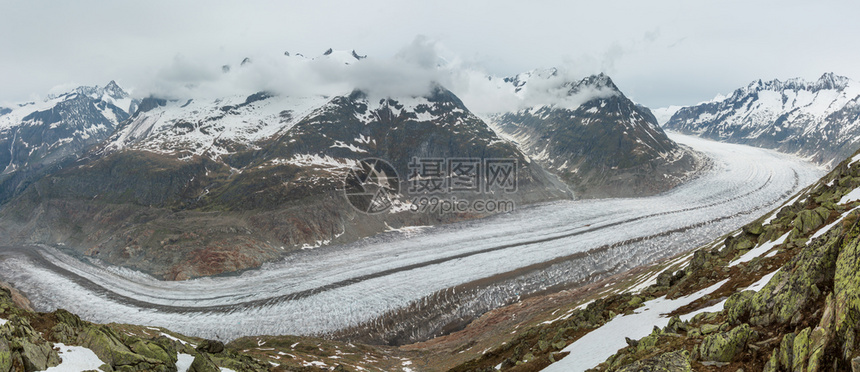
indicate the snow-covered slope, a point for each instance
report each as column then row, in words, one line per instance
column 211, row 127
column 37, row 137
column 818, row 119
column 596, row 139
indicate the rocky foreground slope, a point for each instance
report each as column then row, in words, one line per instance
column 819, row 120
column 781, row 294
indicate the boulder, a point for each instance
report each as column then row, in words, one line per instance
column 121, row 353
column 211, row 347
column 202, row 363
column 22, row 348
column 723, row 347
column 673, row 361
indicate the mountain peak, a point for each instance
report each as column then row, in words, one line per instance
column 830, row 80
column 113, row 90
column 600, row 80
column 827, row 81
column 342, row 56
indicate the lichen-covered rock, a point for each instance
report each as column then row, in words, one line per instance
column 744, row 245
column 211, row 346
column 161, row 349
column 709, row 328
column 786, row 351
column 135, row 355
column 723, row 347
column 202, row 363
column 772, row 364
column 737, row 307
column 809, row 220
column 674, row 361
column 676, row 325
column 800, row 352
column 821, row 336
column 796, row 286
column 847, row 292
column 699, row 261
column 754, row 228
column 23, row 348
column 664, row 279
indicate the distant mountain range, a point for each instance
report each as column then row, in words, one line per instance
column 196, row 187
column 819, row 120
column 41, row 137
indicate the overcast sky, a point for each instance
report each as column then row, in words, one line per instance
column 658, row 52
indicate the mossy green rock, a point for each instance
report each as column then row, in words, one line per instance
column 809, row 220
column 202, row 363
column 22, row 348
column 135, row 355
column 161, row 349
column 674, row 361
column 738, row 306
column 211, row 347
column 723, row 347
column 709, row 328
column 786, row 351
column 847, row 293
column 800, row 351
column 754, row 228
column 794, row 287
column 744, row 244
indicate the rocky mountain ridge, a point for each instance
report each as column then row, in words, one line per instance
column 594, row 138
column 819, row 120
column 41, row 137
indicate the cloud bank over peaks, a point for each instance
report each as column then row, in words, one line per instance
column 556, row 87
column 413, row 71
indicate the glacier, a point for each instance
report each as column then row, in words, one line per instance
column 322, row 291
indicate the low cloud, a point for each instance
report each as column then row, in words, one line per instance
column 413, row 71
column 548, row 87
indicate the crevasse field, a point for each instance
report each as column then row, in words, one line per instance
column 327, row 289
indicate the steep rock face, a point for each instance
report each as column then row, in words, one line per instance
column 597, row 140
column 438, row 126
column 39, row 138
column 819, row 119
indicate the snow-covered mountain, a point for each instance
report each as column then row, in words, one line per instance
column 596, row 139
column 200, row 187
column 211, row 128
column 38, row 137
column 819, row 119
